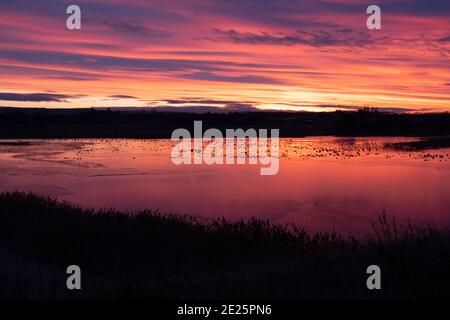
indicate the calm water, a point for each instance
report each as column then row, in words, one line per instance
column 324, row 183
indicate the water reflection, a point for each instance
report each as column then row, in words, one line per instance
column 324, row 183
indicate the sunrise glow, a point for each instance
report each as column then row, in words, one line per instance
column 283, row 54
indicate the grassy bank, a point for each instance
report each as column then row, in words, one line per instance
column 149, row 255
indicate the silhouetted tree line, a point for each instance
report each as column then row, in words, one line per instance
column 148, row 124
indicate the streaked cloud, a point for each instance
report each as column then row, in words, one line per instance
column 273, row 53
column 122, row 96
column 34, row 97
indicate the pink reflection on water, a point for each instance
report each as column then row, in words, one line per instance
column 324, row 183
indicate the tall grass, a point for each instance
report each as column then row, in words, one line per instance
column 147, row 254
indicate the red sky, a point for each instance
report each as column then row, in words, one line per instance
column 276, row 54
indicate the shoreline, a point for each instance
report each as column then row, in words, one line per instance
column 91, row 123
column 153, row 255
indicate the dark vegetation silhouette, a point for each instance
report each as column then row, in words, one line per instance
column 149, row 255
column 92, row 123
column 422, row 144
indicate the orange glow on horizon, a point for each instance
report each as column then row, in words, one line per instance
column 322, row 61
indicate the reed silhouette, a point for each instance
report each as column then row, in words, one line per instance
column 147, row 254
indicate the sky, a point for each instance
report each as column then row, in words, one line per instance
column 314, row 55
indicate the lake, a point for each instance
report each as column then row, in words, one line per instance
column 324, row 183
